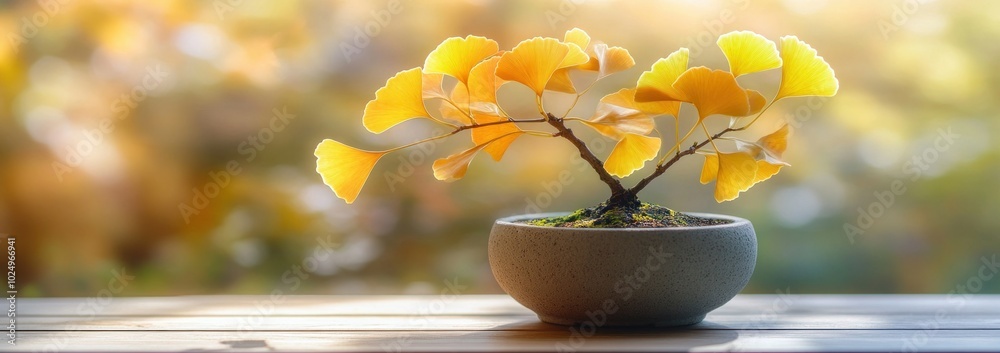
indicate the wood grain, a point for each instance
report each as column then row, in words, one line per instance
column 487, row 323
column 635, row 340
column 822, row 323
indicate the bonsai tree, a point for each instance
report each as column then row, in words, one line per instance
column 479, row 69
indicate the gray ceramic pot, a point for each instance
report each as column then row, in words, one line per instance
column 622, row 277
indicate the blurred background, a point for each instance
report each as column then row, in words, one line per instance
column 170, row 143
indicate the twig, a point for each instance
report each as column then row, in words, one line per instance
column 663, row 167
column 618, row 192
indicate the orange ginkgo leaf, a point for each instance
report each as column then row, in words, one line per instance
column 431, row 86
column 344, row 168
column 770, row 147
column 657, row 84
column 501, row 135
column 776, row 142
column 483, row 81
column 456, row 56
column 765, row 170
column 532, row 62
column 560, row 80
column 457, row 108
column 453, row 167
column 757, row 101
column 630, row 154
column 605, row 60
column 617, row 114
column 804, row 73
column 748, row 52
column 401, row 99
column 626, row 98
column 767, row 151
column 712, row 92
column 734, row 173
column 483, row 85
column 611, row 60
column 710, row 170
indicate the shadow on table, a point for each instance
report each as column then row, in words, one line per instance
column 569, row 338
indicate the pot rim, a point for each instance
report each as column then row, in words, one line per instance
column 735, row 222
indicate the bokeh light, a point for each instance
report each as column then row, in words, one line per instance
column 117, row 115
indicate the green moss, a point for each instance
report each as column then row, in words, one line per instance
column 644, row 216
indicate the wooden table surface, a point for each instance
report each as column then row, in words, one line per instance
column 787, row 323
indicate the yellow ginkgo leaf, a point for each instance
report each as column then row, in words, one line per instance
column 458, row 109
column 456, row 56
column 483, row 85
column 804, row 73
column 626, row 98
column 344, row 168
column 765, row 170
column 736, row 172
column 532, row 62
column 776, row 142
column 453, row 167
column 614, row 121
column 431, row 86
column 617, row 115
column 603, row 59
column 712, row 92
column 657, row 84
column 483, row 81
column 710, row 170
column 503, row 134
column 630, row 154
column 767, row 149
column 401, row 99
column 612, row 59
column 590, row 65
column 757, row 101
column 748, row 52
column 671, row 108
column 577, row 36
column 561, row 82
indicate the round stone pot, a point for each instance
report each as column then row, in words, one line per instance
column 623, row 276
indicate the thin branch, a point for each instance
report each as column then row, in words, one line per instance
column 429, row 139
column 677, row 146
column 677, row 134
column 541, row 108
column 538, row 133
column 453, row 104
column 744, row 127
column 577, row 99
column 501, row 122
column 463, row 128
column 442, row 122
column 709, row 135
column 660, row 169
column 617, row 190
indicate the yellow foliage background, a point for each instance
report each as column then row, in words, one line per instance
column 909, row 72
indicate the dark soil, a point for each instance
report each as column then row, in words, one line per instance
column 643, row 216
